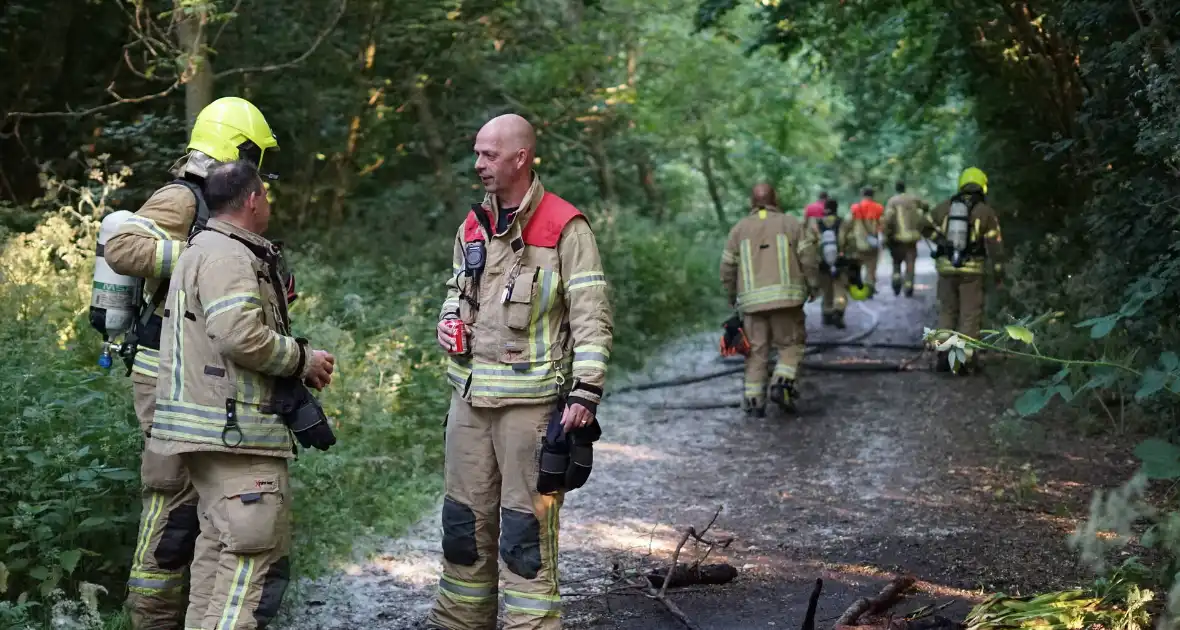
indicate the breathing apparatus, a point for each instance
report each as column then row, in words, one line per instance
column 972, row 189
column 114, row 296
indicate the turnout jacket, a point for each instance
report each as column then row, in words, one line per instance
column 985, row 243
column 225, row 342
column 539, row 319
column 905, row 215
column 769, row 262
column 866, row 222
column 147, row 246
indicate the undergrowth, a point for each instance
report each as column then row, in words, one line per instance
column 69, row 504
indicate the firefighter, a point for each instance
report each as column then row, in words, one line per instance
column 147, row 246
column 866, row 226
column 966, row 231
column 815, row 209
column 904, row 216
column 528, row 328
column 838, row 262
column 232, row 389
column 769, row 270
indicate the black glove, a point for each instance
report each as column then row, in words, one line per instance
column 302, row 413
column 566, row 459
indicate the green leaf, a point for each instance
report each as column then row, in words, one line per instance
column 1062, row 390
column 1149, row 537
column 1019, row 333
column 1103, row 327
column 1032, row 401
column 92, row 522
column 1060, row 375
column 20, row 546
column 39, row 573
column 69, row 559
column 3, row 579
column 1153, row 381
column 119, row 474
column 1102, row 377
column 1161, row 460
column 1170, row 361
column 37, row 458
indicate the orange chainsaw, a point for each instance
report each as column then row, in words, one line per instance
column 733, row 340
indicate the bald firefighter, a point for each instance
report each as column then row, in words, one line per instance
column 904, row 217
column 966, row 231
column 769, row 270
column 866, row 228
column 232, row 391
column 528, row 328
column 148, row 246
column 838, row 262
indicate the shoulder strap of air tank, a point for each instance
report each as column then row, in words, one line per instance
column 201, row 220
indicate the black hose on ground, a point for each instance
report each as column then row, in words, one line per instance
column 853, row 340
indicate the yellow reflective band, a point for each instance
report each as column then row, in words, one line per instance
column 584, row 280
column 773, row 293
column 251, row 388
column 762, row 214
column 458, row 372
column 785, row 371
column 147, row 528
column 784, row 258
column 282, row 350
column 747, row 266
column 248, row 300
column 728, row 257
column 148, row 583
column 177, row 390
column 754, row 390
column 468, row 592
column 167, row 252
column 534, row 605
column 539, row 325
column 237, row 594
column 147, row 362
column 147, row 225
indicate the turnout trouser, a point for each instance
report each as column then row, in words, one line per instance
column 497, row 530
column 241, row 568
column 960, row 303
column 906, row 253
column 835, row 292
column 783, row 330
column 869, row 261
column 168, row 528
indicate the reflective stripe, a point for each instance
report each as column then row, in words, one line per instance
column 591, row 358
column 784, row 259
column 468, row 591
column 154, row 583
column 773, row 293
column 250, row 387
column 497, row 380
column 944, row 267
column 539, row 325
column 755, row 390
column 458, row 372
column 237, row 594
column 224, row 304
column 282, row 350
column 147, row 528
column 149, row 226
column 177, row 389
column 747, row 266
column 552, row 526
column 586, row 279
column 537, row 605
column 167, row 252
column 147, row 362
column 785, row 371
column 728, row 257
column 187, row 427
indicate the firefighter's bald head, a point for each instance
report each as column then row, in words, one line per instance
column 504, row 150
column 763, row 196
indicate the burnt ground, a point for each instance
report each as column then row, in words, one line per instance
column 878, row 474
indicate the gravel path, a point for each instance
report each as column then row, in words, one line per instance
column 879, row 473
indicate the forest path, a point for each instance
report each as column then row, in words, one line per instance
column 878, row 474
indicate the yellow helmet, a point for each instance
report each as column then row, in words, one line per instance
column 973, row 175
column 232, row 128
column 859, row 292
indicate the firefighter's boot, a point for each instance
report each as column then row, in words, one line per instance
column 897, row 284
column 784, row 394
column 754, row 407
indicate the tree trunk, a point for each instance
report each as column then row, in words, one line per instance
column 606, row 177
column 711, row 180
column 436, row 149
column 198, row 72
column 647, row 182
column 345, row 162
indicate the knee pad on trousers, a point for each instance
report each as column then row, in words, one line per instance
column 520, row 542
column 274, row 585
column 162, row 473
column 459, row 533
column 178, row 538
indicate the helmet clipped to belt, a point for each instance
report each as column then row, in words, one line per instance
column 232, row 128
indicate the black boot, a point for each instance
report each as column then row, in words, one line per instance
column 754, row 408
column 896, row 286
column 838, row 319
column 909, row 290
column 784, row 394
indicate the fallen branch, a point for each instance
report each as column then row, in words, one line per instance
column 879, row 604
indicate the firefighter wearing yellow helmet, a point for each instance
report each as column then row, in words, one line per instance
column 147, row 246
column 966, row 232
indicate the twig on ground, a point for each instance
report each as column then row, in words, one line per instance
column 879, row 604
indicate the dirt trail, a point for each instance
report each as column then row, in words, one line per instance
column 879, row 473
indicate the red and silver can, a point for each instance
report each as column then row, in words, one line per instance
column 458, row 333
